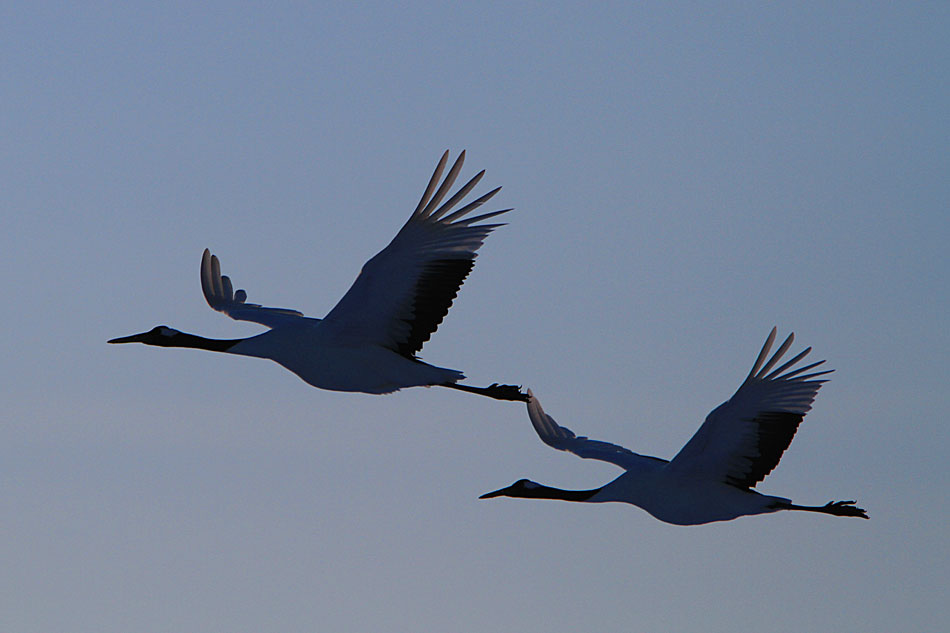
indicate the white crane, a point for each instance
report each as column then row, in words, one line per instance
column 712, row 477
column 368, row 342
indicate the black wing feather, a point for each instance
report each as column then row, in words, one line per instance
column 774, row 432
column 436, row 289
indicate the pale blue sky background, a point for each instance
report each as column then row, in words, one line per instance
column 684, row 178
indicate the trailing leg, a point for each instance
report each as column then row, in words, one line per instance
column 837, row 508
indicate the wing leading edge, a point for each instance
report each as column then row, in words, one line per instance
column 563, row 439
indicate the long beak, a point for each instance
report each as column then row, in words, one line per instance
column 490, row 495
column 134, row 338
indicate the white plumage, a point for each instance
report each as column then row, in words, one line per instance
column 711, row 478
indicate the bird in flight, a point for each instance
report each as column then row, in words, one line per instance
column 370, row 340
column 712, row 477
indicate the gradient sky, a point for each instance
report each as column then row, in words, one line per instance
column 684, row 178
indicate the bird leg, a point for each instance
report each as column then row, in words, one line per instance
column 837, row 508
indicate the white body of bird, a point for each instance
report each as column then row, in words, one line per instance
column 685, row 500
column 323, row 359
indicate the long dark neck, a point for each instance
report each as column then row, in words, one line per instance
column 181, row 339
column 547, row 492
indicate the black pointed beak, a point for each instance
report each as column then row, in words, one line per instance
column 491, row 495
column 134, row 338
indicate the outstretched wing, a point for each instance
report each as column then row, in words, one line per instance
column 744, row 438
column 220, row 295
column 563, row 439
column 401, row 295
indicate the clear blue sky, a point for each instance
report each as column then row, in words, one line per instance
column 684, row 178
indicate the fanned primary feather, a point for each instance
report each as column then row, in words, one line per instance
column 743, row 439
column 218, row 293
column 711, row 478
column 412, row 283
column 369, row 341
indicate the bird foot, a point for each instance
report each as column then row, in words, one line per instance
column 496, row 391
column 844, row 509
column 506, row 392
